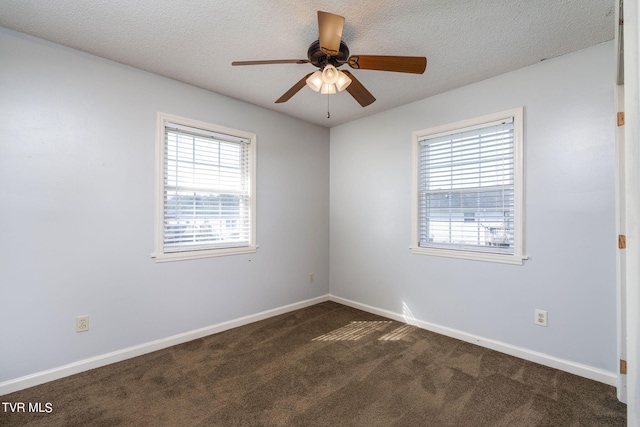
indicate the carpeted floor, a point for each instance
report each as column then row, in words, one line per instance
column 325, row 365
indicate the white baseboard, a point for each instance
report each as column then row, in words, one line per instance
column 579, row 369
column 138, row 350
column 27, row 381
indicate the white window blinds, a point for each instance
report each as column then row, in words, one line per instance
column 466, row 188
column 206, row 190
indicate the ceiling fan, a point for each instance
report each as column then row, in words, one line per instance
column 329, row 52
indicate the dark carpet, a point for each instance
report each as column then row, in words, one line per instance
column 325, row 365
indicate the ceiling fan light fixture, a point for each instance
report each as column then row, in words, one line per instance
column 343, row 81
column 329, row 52
column 330, row 74
column 315, row 81
column 328, row 89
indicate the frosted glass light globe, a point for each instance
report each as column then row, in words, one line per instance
column 330, row 74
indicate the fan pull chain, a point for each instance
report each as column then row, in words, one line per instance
column 328, row 113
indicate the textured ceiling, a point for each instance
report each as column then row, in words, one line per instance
column 195, row 41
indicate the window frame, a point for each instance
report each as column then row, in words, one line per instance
column 160, row 255
column 517, row 257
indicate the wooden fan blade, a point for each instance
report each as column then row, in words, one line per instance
column 399, row 64
column 294, row 89
column 272, row 61
column 358, row 91
column 330, row 28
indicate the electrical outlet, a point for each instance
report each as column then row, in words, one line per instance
column 82, row 323
column 312, row 277
column 540, row 317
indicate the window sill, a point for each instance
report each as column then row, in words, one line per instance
column 210, row 253
column 470, row 255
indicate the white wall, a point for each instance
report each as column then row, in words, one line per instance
column 569, row 207
column 77, row 147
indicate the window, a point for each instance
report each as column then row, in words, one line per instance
column 467, row 196
column 206, row 190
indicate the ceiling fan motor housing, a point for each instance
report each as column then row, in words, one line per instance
column 320, row 59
